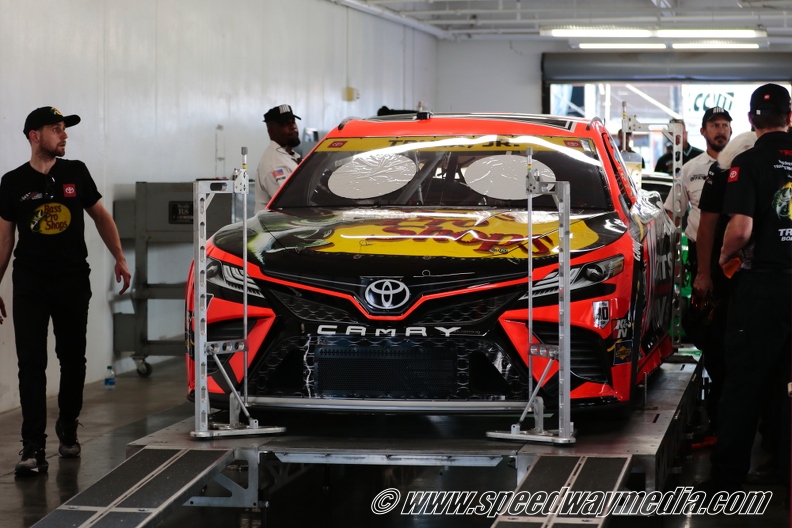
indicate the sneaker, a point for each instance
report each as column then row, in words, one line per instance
column 67, row 434
column 766, row 473
column 34, row 460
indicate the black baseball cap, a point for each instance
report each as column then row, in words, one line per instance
column 712, row 113
column 47, row 115
column 280, row 113
column 770, row 99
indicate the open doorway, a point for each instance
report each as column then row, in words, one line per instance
column 654, row 104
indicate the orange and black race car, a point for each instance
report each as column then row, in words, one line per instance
column 389, row 272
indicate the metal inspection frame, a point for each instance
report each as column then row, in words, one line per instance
column 203, row 192
column 675, row 134
column 565, row 433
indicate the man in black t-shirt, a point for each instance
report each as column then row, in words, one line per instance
column 758, row 197
column 665, row 163
column 43, row 200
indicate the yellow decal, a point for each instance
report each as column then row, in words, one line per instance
column 498, row 236
column 455, row 143
column 50, row 219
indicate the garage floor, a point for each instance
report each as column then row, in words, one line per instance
column 329, row 496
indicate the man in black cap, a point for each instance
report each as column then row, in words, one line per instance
column 758, row 199
column 279, row 160
column 44, row 201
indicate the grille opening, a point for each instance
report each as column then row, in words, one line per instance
column 288, row 376
column 378, row 372
column 485, row 378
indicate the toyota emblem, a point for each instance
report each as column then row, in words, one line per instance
column 387, row 294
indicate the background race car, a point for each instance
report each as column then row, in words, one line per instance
column 390, row 271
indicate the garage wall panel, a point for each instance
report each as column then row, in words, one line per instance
column 164, row 88
column 491, row 76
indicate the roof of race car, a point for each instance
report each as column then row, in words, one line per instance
column 475, row 123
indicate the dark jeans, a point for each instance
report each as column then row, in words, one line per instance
column 37, row 298
column 757, row 359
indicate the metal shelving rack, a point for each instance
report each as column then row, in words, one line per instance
column 161, row 213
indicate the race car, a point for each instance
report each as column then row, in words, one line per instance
column 389, row 273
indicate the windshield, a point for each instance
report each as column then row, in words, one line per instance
column 444, row 172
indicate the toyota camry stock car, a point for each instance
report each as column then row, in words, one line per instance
column 390, row 273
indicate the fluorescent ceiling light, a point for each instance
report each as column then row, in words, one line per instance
column 715, row 45
column 595, row 32
column 617, row 32
column 710, row 33
column 621, row 45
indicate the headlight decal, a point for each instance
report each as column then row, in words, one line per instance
column 580, row 276
column 230, row 277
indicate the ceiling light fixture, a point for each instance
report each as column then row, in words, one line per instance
column 616, row 32
column 582, row 32
column 715, row 45
column 622, row 45
column 711, row 33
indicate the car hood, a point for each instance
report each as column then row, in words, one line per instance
column 388, row 240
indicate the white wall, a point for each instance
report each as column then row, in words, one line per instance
column 152, row 80
column 491, row 76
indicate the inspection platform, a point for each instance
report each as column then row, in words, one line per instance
column 170, row 467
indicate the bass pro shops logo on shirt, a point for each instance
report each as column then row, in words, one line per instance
column 50, row 219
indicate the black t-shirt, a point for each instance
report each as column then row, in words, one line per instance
column 713, row 193
column 48, row 212
column 759, row 185
column 665, row 163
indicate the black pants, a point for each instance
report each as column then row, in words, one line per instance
column 757, row 358
column 37, row 298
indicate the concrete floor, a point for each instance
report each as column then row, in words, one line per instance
column 339, row 495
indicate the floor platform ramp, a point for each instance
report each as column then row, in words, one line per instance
column 566, row 492
column 142, row 490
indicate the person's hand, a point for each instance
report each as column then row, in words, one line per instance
column 122, row 272
column 702, row 285
column 2, row 311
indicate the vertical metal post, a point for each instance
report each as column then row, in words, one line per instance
column 530, row 191
column 564, row 367
column 678, row 143
column 239, row 189
column 200, row 203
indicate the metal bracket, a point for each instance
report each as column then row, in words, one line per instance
column 241, row 496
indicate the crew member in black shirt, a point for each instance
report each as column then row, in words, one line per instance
column 44, row 200
column 711, row 287
column 758, row 199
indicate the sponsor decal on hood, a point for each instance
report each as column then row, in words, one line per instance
column 460, row 234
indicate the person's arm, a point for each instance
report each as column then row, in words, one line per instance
column 738, row 233
column 7, row 233
column 109, row 233
column 705, row 238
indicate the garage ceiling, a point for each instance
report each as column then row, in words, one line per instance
column 532, row 19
